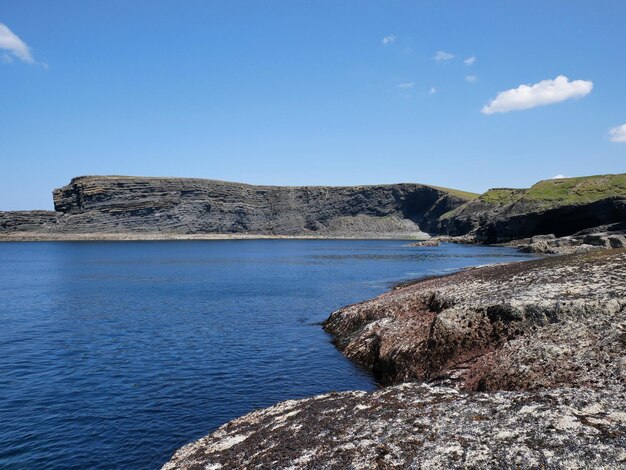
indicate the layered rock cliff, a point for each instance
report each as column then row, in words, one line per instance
column 162, row 207
column 115, row 204
column 561, row 207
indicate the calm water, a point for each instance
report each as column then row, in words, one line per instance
column 114, row 354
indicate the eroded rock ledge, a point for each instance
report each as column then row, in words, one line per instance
column 521, row 366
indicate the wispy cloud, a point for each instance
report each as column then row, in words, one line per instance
column 405, row 85
column 559, row 177
column 470, row 60
column 441, row 56
column 432, row 90
column 388, row 40
column 471, row 78
column 539, row 94
column 13, row 46
column 618, row 134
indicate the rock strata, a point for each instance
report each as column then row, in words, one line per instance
column 561, row 207
column 112, row 204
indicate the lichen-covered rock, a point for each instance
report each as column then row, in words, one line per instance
column 425, row 427
column 545, row 323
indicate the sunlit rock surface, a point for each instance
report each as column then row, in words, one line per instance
column 551, row 322
column 419, row 426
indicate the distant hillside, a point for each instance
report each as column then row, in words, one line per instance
column 581, row 190
column 559, row 206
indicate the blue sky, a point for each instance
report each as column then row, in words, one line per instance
column 309, row 92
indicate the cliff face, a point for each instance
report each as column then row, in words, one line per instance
column 494, row 223
column 142, row 207
column 110, row 204
column 560, row 207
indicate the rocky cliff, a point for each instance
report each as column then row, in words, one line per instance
column 561, row 207
column 115, row 204
column 139, row 207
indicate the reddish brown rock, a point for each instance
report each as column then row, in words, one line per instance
column 546, row 323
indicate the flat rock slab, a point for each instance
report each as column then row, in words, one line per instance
column 420, row 426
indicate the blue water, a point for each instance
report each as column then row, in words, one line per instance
column 114, row 354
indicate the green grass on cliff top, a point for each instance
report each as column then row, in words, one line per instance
column 581, row 190
column 456, row 192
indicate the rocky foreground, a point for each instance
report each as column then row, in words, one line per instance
column 420, row 426
column 510, row 366
column 545, row 323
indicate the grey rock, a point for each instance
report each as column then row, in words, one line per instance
column 491, row 223
column 597, row 239
column 542, row 238
column 112, row 204
column 429, row 242
column 617, row 241
column 417, row 426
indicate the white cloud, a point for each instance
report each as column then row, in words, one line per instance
column 405, row 85
column 559, row 177
column 14, row 45
column 469, row 60
column 388, row 40
column 618, row 134
column 539, row 94
column 432, row 90
column 441, row 56
column 471, row 78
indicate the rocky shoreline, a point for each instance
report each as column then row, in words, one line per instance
column 517, row 365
